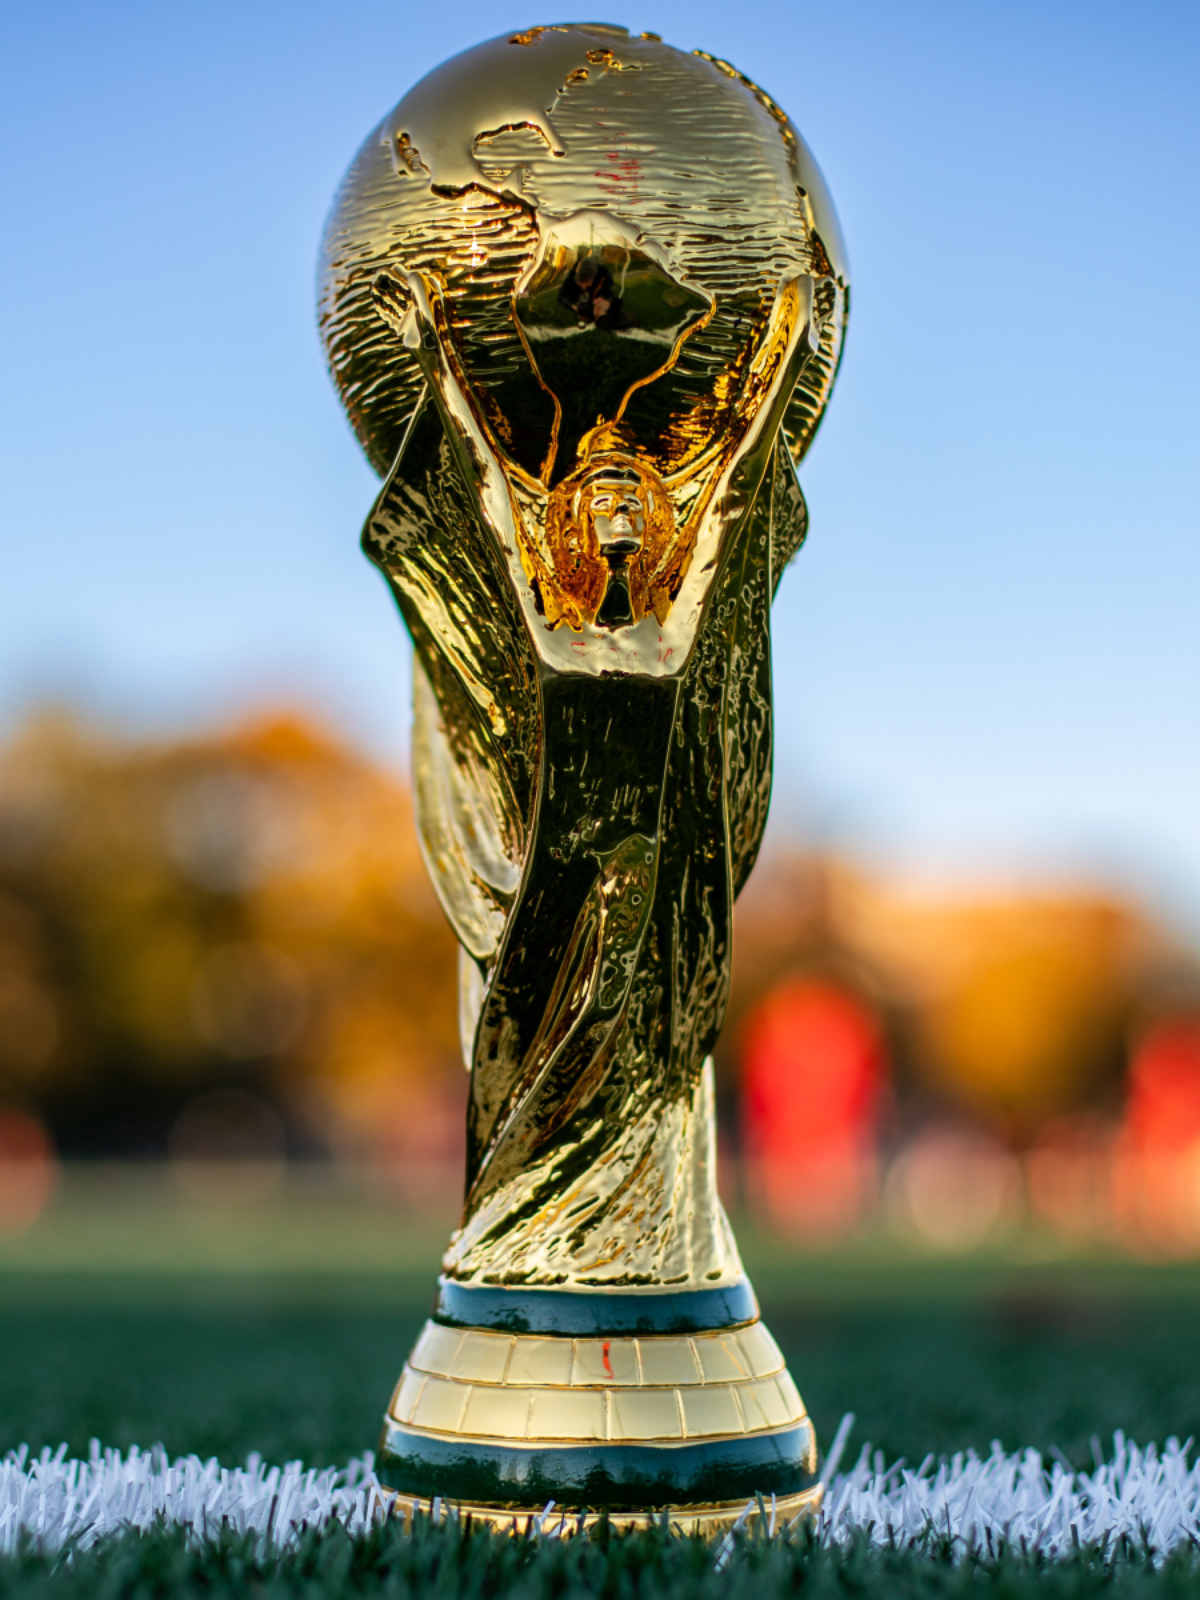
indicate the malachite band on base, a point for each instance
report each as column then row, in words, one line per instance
column 602, row 1476
column 701, row 1521
column 613, row 1312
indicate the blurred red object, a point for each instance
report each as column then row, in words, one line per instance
column 28, row 1170
column 812, row 1079
column 1157, row 1168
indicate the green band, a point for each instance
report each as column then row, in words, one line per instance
column 613, row 1313
column 614, row 1477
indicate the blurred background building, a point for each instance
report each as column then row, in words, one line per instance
column 224, row 953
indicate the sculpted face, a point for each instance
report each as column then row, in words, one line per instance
column 613, row 515
column 618, row 511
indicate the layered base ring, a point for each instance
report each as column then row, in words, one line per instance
column 510, row 1401
column 699, row 1521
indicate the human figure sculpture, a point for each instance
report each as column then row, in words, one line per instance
column 587, row 364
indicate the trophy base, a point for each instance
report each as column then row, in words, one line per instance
column 704, row 1522
column 624, row 1405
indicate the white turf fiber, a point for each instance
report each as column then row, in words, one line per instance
column 1146, row 1495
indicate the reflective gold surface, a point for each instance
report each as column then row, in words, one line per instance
column 704, row 1521
column 584, row 298
column 492, row 1386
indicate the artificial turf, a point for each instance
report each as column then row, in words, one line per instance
column 448, row 1561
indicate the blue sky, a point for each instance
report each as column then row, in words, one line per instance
column 987, row 658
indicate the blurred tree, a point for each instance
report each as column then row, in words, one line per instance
column 1006, row 1008
column 248, row 910
column 244, row 920
column 1019, row 1003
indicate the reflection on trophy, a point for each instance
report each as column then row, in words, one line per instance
column 584, row 298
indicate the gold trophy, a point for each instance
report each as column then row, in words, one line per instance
column 584, row 297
